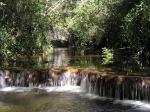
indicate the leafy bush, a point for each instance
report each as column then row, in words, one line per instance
column 108, row 56
column 27, row 25
column 6, row 42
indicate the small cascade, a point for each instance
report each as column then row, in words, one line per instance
column 2, row 80
column 69, row 79
column 118, row 87
column 45, row 78
column 85, row 84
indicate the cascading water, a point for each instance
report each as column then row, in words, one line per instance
column 85, row 84
column 2, row 80
column 51, row 80
column 118, row 87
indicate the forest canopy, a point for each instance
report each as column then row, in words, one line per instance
column 114, row 24
column 92, row 25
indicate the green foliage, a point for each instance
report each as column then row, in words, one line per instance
column 6, row 43
column 92, row 24
column 108, row 56
column 116, row 24
column 87, row 22
column 83, row 19
column 137, row 29
column 26, row 23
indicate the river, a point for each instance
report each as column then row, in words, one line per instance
column 63, row 82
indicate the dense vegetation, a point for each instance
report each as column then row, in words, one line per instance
column 121, row 25
column 23, row 27
column 116, row 25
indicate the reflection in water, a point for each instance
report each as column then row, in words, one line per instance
column 61, row 57
column 63, row 102
column 47, row 90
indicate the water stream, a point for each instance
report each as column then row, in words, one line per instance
column 24, row 89
column 66, row 91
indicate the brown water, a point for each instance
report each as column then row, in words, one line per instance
column 42, row 101
column 63, row 57
column 65, row 99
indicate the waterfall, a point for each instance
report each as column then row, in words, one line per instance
column 66, row 79
column 58, row 57
column 23, row 78
column 85, row 84
column 2, row 80
column 118, row 87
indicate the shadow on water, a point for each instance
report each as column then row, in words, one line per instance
column 63, row 57
column 29, row 85
column 62, row 102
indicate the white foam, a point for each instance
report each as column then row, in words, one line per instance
column 63, row 89
column 139, row 105
column 15, row 89
column 143, row 106
column 48, row 89
column 136, row 104
column 7, row 89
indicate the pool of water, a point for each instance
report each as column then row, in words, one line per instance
column 63, row 57
column 66, row 99
column 48, row 100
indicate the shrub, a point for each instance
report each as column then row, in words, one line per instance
column 108, row 56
